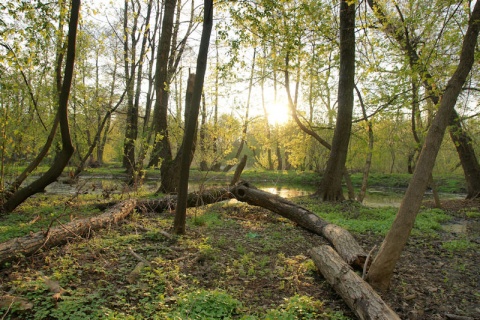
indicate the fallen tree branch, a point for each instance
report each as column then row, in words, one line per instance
column 341, row 239
column 28, row 245
column 356, row 293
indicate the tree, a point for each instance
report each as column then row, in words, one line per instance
column 62, row 158
column 331, row 184
column 191, row 126
column 408, row 42
column 381, row 270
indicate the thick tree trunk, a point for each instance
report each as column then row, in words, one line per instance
column 194, row 199
column 342, row 240
column 381, row 270
column 30, row 244
column 331, row 185
column 169, row 173
column 162, row 149
column 464, row 145
column 357, row 294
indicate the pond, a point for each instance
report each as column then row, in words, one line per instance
column 375, row 197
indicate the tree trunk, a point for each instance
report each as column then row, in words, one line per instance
column 331, row 184
column 341, row 239
column 194, row 199
column 170, row 178
column 192, row 119
column 238, row 171
column 130, row 66
column 460, row 138
column 382, row 268
column 97, row 137
column 368, row 161
column 28, row 245
column 464, row 145
column 357, row 294
column 62, row 158
column 245, row 121
column 162, row 149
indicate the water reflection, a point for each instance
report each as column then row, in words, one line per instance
column 374, row 197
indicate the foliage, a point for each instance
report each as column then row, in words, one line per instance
column 203, row 304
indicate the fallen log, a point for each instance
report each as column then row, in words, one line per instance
column 341, row 239
column 357, row 294
column 28, row 245
column 194, row 199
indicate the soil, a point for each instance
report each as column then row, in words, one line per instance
column 430, row 282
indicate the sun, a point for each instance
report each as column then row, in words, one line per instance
column 278, row 113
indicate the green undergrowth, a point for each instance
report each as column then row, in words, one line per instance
column 361, row 219
column 235, row 262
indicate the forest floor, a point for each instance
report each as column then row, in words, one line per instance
column 238, row 261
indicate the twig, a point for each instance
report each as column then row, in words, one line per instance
column 365, row 266
column 139, row 257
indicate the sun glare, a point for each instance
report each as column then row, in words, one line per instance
column 278, row 113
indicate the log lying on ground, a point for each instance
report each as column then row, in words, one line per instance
column 28, row 245
column 341, row 239
column 195, row 199
column 358, row 294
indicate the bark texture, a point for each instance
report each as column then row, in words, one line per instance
column 28, row 245
column 357, row 294
column 191, row 123
column 331, row 185
column 341, row 239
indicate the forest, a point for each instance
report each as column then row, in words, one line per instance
column 175, row 124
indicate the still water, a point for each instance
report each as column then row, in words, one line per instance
column 375, row 197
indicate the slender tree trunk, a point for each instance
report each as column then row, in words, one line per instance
column 62, row 158
column 368, row 160
column 331, row 185
column 189, row 137
column 203, row 142
column 129, row 54
column 382, row 268
column 245, row 121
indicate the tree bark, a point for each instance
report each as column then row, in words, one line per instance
column 331, row 184
column 357, row 294
column 28, row 245
column 169, row 176
column 194, row 199
column 161, row 142
column 381, row 270
column 341, row 239
column 368, row 161
column 239, row 170
column 191, row 123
